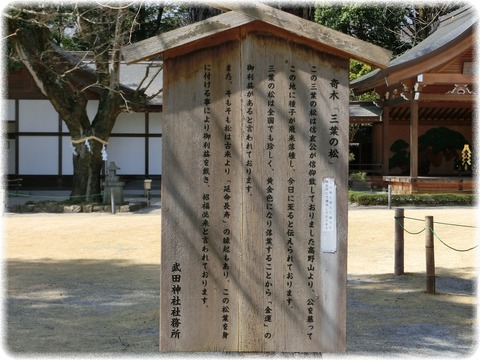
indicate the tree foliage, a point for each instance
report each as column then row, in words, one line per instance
column 153, row 18
column 422, row 18
column 392, row 25
column 379, row 25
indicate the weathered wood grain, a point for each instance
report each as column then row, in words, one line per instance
column 244, row 228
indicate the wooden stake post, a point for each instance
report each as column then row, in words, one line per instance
column 254, row 186
column 399, row 242
column 430, row 255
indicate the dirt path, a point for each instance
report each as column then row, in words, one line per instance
column 84, row 283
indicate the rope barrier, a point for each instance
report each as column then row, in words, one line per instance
column 410, row 232
column 466, row 226
column 450, row 247
column 437, row 222
column 433, row 232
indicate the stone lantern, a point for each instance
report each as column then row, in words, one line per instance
column 113, row 186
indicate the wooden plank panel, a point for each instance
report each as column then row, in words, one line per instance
column 295, row 202
column 272, row 289
column 197, row 232
column 442, row 78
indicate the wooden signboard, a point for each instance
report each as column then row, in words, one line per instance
column 254, row 196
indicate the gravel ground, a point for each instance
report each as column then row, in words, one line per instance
column 88, row 285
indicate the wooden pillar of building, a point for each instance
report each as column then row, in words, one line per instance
column 385, row 144
column 413, row 138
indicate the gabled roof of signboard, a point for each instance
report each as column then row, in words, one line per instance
column 245, row 14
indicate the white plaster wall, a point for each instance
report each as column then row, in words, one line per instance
column 64, row 127
column 37, row 116
column 38, row 155
column 92, row 108
column 9, row 110
column 155, row 156
column 67, row 156
column 9, row 157
column 128, row 154
column 8, row 151
column 155, row 123
column 129, row 123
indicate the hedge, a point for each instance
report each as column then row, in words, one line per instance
column 411, row 199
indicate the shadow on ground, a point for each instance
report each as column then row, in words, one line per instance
column 81, row 306
column 389, row 314
column 88, row 306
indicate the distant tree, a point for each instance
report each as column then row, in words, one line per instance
column 359, row 69
column 304, row 10
column 153, row 18
column 393, row 26
column 198, row 13
column 378, row 24
column 422, row 19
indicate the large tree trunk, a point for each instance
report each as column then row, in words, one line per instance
column 54, row 76
column 87, row 168
column 88, row 161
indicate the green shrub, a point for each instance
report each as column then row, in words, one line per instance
column 411, row 199
column 358, row 175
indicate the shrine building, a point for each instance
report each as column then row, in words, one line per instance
column 425, row 116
